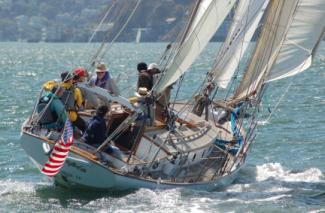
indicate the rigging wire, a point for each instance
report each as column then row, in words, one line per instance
column 121, row 30
column 234, row 78
column 97, row 29
column 278, row 102
column 181, row 37
column 102, row 50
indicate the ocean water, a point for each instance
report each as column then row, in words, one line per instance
column 284, row 171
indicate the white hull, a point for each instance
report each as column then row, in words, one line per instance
column 80, row 171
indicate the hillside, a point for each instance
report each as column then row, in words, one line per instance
column 75, row 20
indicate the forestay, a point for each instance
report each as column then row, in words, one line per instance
column 207, row 20
column 303, row 37
column 246, row 19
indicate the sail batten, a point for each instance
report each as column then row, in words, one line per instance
column 209, row 18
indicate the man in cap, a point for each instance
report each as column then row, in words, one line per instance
column 153, row 69
column 104, row 80
column 81, row 73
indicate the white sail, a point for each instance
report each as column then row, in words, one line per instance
column 203, row 27
column 278, row 19
column 202, row 7
column 304, row 35
column 246, row 19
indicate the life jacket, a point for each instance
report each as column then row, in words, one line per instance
column 68, row 100
column 47, row 116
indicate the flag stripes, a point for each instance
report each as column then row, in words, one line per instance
column 59, row 152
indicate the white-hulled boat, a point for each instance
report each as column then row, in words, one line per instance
column 183, row 149
column 188, row 157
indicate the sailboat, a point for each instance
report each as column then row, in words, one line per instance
column 184, row 147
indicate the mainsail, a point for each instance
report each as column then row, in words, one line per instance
column 207, row 20
column 304, row 36
column 246, row 19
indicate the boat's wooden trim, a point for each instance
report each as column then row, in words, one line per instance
column 158, row 125
column 73, row 148
column 87, row 155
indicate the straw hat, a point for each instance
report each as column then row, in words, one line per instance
column 101, row 68
column 142, row 92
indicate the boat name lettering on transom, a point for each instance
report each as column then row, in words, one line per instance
column 73, row 164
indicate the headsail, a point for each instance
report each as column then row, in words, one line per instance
column 208, row 19
column 303, row 37
column 279, row 18
column 291, row 34
column 246, row 19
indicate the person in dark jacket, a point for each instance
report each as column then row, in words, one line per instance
column 96, row 130
column 144, row 79
column 95, row 133
column 55, row 115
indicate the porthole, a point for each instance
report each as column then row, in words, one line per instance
column 194, row 156
column 203, row 153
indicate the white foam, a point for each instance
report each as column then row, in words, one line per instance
column 316, row 211
column 263, row 123
column 163, row 199
column 275, row 170
column 12, row 186
column 258, row 200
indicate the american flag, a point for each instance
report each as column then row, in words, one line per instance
column 60, row 151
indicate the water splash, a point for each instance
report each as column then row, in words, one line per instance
column 276, row 171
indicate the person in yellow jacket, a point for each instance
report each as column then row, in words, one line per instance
column 73, row 100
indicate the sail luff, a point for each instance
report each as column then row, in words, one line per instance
column 201, row 32
column 278, row 18
column 191, row 23
column 301, row 41
column 246, row 19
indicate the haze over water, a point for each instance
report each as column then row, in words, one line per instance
column 284, row 171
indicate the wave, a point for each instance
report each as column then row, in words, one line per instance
column 276, row 171
column 14, row 186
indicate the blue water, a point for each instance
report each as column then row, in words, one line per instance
column 284, row 171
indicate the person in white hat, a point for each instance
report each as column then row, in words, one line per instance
column 146, row 75
column 153, row 69
column 104, row 80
